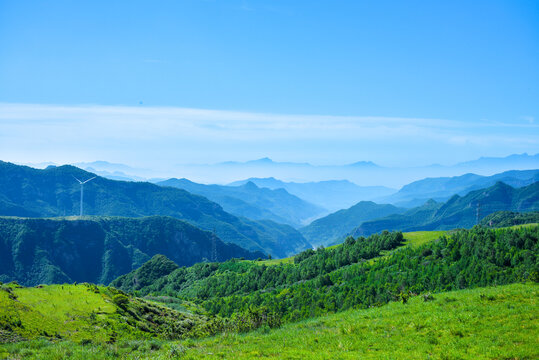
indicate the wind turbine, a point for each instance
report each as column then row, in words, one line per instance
column 82, row 190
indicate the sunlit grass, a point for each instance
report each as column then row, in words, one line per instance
column 498, row 322
column 418, row 238
column 483, row 323
column 415, row 238
column 57, row 310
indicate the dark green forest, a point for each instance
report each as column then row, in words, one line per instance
column 510, row 218
column 99, row 249
column 353, row 275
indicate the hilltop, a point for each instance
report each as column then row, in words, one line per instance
column 361, row 272
column 420, row 318
column 88, row 314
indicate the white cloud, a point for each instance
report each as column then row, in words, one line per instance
column 170, row 134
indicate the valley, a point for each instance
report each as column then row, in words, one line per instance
column 185, row 270
column 264, row 179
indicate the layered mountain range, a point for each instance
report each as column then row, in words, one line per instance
column 367, row 218
column 29, row 192
column 255, row 202
column 126, row 222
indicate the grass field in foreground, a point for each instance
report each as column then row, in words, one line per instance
column 484, row 323
column 86, row 313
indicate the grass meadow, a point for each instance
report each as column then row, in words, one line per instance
column 483, row 323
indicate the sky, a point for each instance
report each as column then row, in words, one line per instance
column 326, row 82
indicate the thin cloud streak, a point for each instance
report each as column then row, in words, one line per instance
column 209, row 135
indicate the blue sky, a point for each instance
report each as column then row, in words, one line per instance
column 410, row 83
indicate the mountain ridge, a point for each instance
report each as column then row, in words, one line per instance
column 458, row 211
column 249, row 200
column 330, row 194
column 29, row 192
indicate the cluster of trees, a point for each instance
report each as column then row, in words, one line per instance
column 510, row 218
column 210, row 280
column 329, row 280
column 243, row 295
column 471, row 258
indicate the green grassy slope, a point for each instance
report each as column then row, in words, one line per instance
column 488, row 323
column 418, row 238
column 485, row 323
column 87, row 312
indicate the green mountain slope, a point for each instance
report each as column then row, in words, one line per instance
column 25, row 191
column 256, row 203
column 483, row 323
column 421, row 319
column 510, row 218
column 441, row 189
column 458, row 212
column 334, row 279
column 88, row 314
column 46, row 251
column 336, row 226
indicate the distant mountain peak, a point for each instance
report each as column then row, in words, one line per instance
column 266, row 160
column 250, row 185
column 363, row 164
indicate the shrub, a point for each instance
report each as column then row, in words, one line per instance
column 120, row 300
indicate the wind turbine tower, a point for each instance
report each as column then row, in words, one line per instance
column 82, row 191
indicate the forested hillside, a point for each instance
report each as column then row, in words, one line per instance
column 354, row 275
column 256, row 203
column 459, row 211
column 510, row 218
column 30, row 192
column 97, row 250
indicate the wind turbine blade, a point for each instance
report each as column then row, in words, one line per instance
column 89, row 180
column 80, row 182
